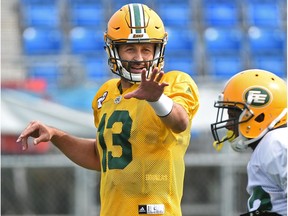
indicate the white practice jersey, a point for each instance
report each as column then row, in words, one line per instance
column 267, row 173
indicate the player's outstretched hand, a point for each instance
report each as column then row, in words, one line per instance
column 150, row 88
column 36, row 129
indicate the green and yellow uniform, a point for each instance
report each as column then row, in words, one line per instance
column 142, row 160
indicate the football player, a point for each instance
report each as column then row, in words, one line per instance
column 252, row 113
column 143, row 120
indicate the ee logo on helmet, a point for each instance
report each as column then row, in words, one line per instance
column 257, row 97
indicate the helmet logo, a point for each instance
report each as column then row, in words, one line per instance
column 257, row 96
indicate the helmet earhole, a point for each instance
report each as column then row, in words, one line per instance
column 260, row 117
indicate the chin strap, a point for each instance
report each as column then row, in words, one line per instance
column 219, row 145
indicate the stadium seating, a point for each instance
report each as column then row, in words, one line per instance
column 181, row 39
column 273, row 63
column 96, row 68
column 200, row 33
column 48, row 71
column 175, row 14
column 42, row 41
column 223, row 40
column 85, row 40
column 266, row 40
column 263, row 13
column 117, row 4
column 224, row 66
column 86, row 13
column 185, row 63
column 223, row 13
column 40, row 13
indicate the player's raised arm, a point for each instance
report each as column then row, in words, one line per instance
column 151, row 89
column 81, row 151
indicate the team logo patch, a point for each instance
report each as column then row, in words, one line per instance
column 118, row 99
column 257, row 96
column 151, row 209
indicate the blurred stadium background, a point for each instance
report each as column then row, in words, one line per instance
column 53, row 62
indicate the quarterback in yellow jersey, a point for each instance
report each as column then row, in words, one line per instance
column 142, row 160
column 143, row 121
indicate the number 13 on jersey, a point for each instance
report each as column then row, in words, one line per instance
column 118, row 139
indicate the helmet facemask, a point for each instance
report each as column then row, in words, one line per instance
column 226, row 127
column 122, row 67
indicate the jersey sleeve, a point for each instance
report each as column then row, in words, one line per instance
column 182, row 90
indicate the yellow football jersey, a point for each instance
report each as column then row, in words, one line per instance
column 142, row 161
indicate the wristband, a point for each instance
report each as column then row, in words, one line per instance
column 163, row 106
